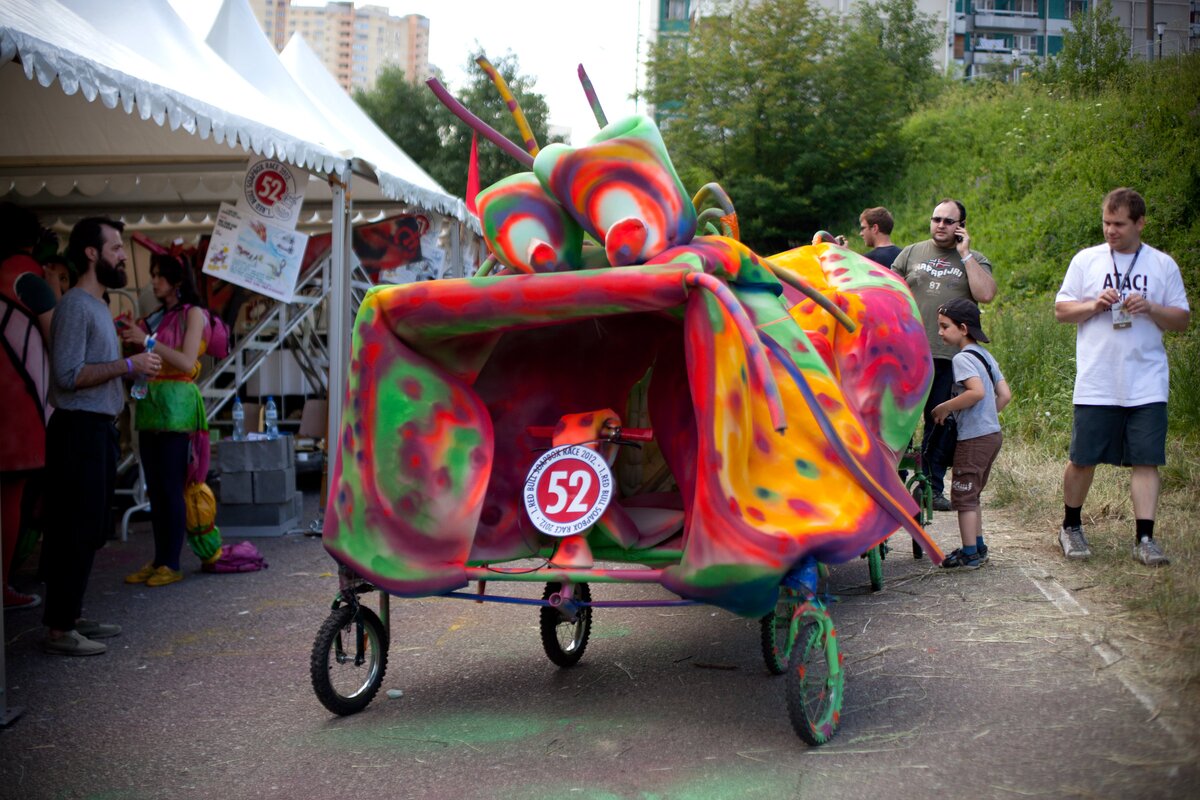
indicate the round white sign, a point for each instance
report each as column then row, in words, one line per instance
column 567, row 490
column 270, row 189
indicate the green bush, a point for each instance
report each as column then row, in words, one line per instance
column 1032, row 162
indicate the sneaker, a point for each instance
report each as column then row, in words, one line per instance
column 164, row 575
column 97, row 630
column 142, row 575
column 957, row 558
column 73, row 643
column 1073, row 543
column 940, row 503
column 14, row 600
column 1149, row 553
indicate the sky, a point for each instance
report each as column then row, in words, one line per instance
column 603, row 35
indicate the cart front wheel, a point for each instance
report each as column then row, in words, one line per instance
column 563, row 639
column 815, row 679
column 349, row 659
column 875, row 566
column 776, row 634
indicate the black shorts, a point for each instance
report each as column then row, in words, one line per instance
column 1119, row 435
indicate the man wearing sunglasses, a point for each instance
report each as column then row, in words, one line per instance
column 938, row 270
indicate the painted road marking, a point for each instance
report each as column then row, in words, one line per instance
column 1065, row 602
column 1056, row 594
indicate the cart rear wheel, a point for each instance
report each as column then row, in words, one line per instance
column 564, row 640
column 875, row 566
column 349, row 659
column 815, row 678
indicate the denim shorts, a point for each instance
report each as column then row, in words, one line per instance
column 1119, row 435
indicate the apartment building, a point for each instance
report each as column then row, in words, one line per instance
column 998, row 37
column 355, row 43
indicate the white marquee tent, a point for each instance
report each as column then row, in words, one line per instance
column 168, row 140
column 151, row 124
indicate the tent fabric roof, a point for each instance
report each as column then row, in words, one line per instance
column 64, row 155
column 304, row 85
column 191, row 91
column 371, row 145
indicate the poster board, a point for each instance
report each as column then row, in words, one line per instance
column 253, row 253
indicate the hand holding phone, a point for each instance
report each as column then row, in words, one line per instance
column 958, row 236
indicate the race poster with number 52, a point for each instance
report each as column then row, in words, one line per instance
column 273, row 192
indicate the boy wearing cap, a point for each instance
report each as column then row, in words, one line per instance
column 980, row 392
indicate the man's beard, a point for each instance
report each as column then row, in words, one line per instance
column 111, row 276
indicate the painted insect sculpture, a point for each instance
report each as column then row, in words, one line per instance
column 781, row 389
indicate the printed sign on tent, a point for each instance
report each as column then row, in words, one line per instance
column 256, row 254
column 273, row 191
column 400, row 249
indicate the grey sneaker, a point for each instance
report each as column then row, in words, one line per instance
column 73, row 643
column 940, row 503
column 97, row 630
column 1149, row 553
column 1073, row 543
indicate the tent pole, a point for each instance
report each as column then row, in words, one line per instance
column 8, row 714
column 456, row 253
column 338, row 328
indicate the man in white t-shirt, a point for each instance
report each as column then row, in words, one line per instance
column 1122, row 295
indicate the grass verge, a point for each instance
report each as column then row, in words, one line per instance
column 1027, row 481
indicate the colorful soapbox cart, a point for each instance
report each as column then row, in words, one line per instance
column 492, row 419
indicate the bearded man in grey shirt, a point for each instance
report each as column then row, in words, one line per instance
column 87, row 391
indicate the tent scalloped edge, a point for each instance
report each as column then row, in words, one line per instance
column 46, row 63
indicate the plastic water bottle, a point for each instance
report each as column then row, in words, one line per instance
column 239, row 420
column 142, row 384
column 272, row 419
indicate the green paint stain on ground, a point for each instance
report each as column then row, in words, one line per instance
column 600, row 631
column 472, row 731
column 731, row 781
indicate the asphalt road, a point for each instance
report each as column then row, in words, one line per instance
column 996, row 683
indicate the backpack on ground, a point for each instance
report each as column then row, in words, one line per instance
column 240, row 557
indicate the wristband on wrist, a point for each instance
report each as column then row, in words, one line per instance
column 129, row 366
column 968, row 256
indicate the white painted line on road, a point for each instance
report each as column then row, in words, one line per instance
column 1111, row 655
column 1065, row 602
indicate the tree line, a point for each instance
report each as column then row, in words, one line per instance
column 796, row 111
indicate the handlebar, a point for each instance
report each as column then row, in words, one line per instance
column 627, row 434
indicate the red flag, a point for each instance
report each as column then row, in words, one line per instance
column 473, row 175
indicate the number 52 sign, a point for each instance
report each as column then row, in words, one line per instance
column 273, row 190
column 567, row 490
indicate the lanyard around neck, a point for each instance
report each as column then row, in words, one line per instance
column 1128, row 272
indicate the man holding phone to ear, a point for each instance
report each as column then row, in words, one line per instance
column 938, row 270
